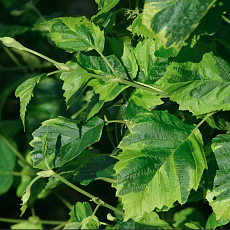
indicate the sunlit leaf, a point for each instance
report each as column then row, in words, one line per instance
column 162, row 159
column 199, row 87
column 76, row 34
column 25, row 93
column 170, row 20
column 219, row 197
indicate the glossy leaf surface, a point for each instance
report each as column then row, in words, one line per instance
column 76, row 34
column 162, row 160
column 171, row 21
column 151, row 68
column 219, row 197
column 199, row 87
column 66, row 140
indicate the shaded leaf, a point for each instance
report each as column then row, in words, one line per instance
column 66, row 140
column 170, row 21
column 7, row 163
column 76, row 34
column 11, row 31
column 199, row 87
column 25, row 93
column 162, row 160
column 68, row 170
column 100, row 166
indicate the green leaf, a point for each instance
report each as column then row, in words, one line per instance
column 139, row 101
column 212, row 223
column 219, row 198
column 106, row 92
column 147, row 221
column 74, row 225
column 25, row 93
column 7, row 164
column 170, row 20
column 125, row 55
column 162, row 160
column 76, row 34
column 140, row 29
column 32, row 223
column 106, row 17
column 11, row 31
column 186, row 215
column 73, row 82
column 97, row 64
column 220, row 121
column 80, row 211
column 151, row 68
column 199, row 87
column 100, row 166
column 90, row 222
column 68, row 170
column 66, row 140
column 105, row 5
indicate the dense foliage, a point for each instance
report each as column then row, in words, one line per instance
column 130, row 102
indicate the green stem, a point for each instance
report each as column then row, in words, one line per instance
column 49, row 222
column 109, row 180
column 204, row 119
column 64, row 201
column 16, row 152
column 149, row 86
column 117, row 121
column 54, row 72
column 110, row 136
column 143, row 86
column 95, row 210
column 226, row 19
column 107, row 62
column 14, row 173
column 41, row 55
column 60, row 226
column 14, row 59
column 97, row 201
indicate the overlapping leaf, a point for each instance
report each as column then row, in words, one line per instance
column 107, row 91
column 172, row 21
column 199, row 87
column 162, row 160
column 151, row 68
column 25, row 92
column 76, row 34
column 98, row 167
column 140, row 100
column 66, row 140
column 219, row 197
column 79, row 212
